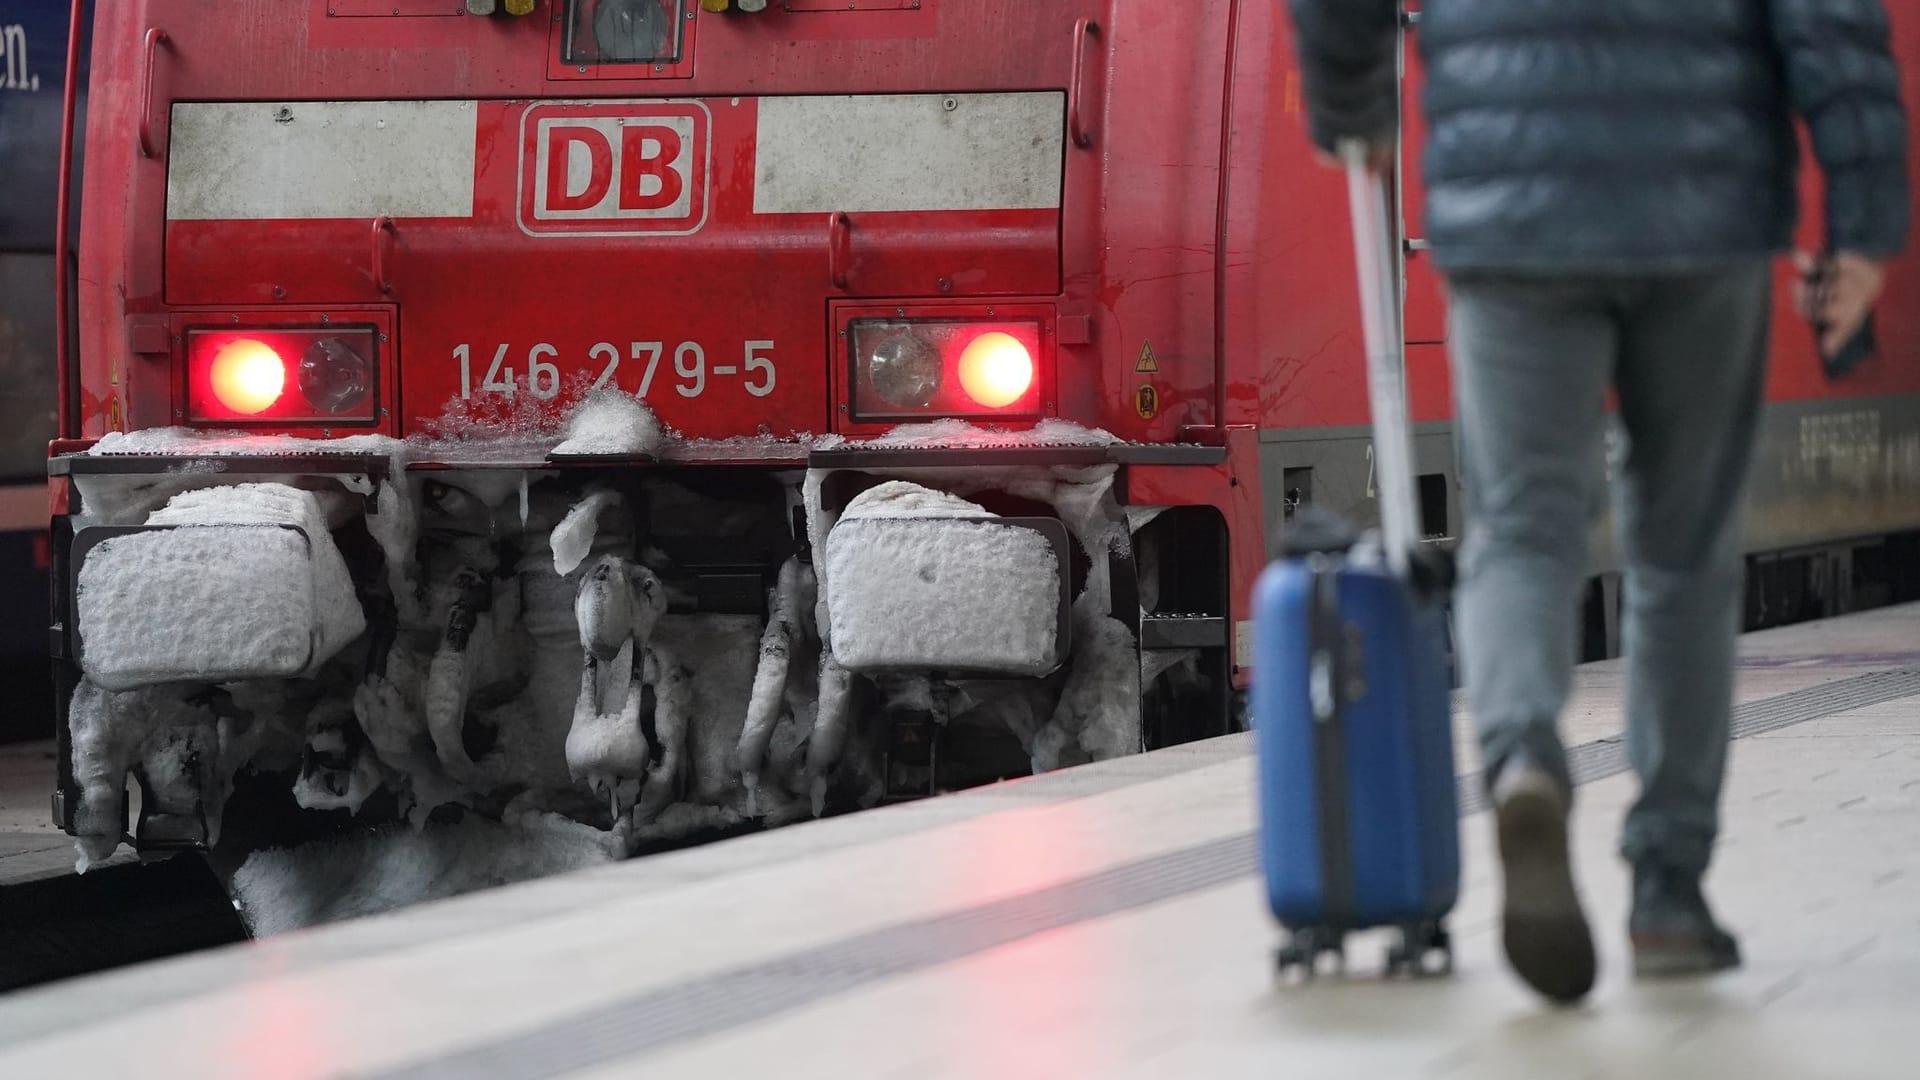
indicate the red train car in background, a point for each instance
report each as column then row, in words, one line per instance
column 661, row 415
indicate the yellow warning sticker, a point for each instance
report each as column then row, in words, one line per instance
column 1146, row 402
column 1149, row 363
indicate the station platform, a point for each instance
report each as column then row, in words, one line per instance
column 1105, row 921
column 31, row 846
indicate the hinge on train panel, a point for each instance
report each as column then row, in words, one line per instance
column 149, row 335
column 1203, row 434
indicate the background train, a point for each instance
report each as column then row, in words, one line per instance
column 33, row 76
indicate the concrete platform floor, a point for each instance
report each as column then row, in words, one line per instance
column 1101, row 922
column 30, row 846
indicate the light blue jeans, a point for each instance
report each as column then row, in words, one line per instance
column 1533, row 359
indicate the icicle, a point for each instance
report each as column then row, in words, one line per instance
column 468, row 639
column 390, row 722
column 395, row 528
column 573, row 538
column 169, row 740
column 104, row 743
column 829, row 727
column 448, row 680
column 1099, row 707
column 672, row 704
column 523, row 500
column 770, row 679
column 606, row 746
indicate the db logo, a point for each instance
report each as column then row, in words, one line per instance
column 614, row 168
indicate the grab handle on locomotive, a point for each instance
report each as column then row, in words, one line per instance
column 839, row 247
column 1076, row 126
column 156, row 37
column 377, row 258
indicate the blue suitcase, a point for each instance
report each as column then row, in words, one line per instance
column 1351, row 712
column 1359, row 818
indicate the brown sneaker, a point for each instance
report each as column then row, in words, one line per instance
column 1546, row 935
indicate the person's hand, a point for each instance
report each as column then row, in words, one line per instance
column 1841, row 302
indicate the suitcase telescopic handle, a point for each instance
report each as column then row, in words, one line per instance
column 1376, row 259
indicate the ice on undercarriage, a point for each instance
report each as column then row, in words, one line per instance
column 181, row 440
column 713, row 658
column 784, row 699
column 396, row 866
column 1098, row 716
column 941, row 433
column 573, row 539
column 170, row 738
column 495, row 665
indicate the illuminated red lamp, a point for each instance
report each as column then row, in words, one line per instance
column 283, row 377
column 996, row 370
column 247, row 376
column 921, row 368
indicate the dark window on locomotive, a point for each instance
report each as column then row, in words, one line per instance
column 1433, row 505
column 1296, row 486
column 624, row 31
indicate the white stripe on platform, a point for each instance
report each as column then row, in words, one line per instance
column 237, row 161
column 909, row 152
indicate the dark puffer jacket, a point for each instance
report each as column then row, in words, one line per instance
column 1626, row 135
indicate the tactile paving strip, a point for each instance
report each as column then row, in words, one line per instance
column 650, row 1021
column 1602, row 758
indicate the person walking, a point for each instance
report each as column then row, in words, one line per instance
column 1608, row 183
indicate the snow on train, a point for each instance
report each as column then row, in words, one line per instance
column 661, row 416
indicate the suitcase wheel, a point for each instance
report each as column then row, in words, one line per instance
column 1304, row 949
column 1425, row 950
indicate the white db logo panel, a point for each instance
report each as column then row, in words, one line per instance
column 614, row 168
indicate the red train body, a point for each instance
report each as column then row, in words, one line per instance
column 718, row 212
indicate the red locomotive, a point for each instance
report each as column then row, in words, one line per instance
column 672, row 412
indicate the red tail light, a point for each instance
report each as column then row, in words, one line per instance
column 920, row 369
column 282, row 377
column 996, row 370
column 247, row 376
